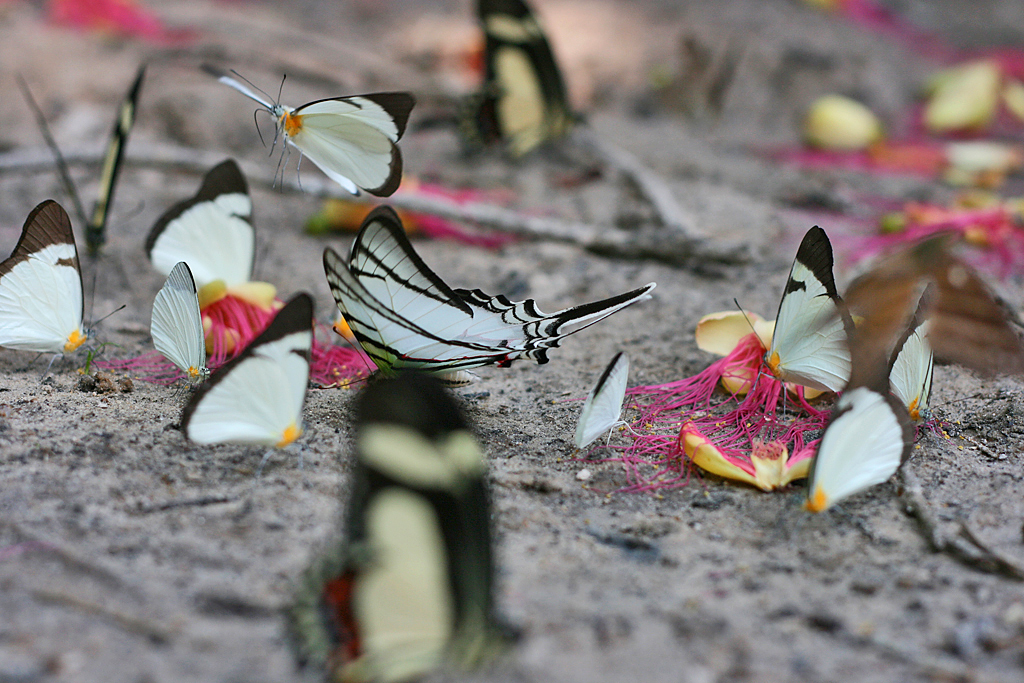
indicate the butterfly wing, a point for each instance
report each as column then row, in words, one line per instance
column 41, row 303
column 910, row 378
column 257, row 397
column 809, row 346
column 411, row 585
column 212, row 232
column 867, row 437
column 353, row 140
column 524, row 101
column 405, row 316
column 603, row 406
column 95, row 229
column 177, row 325
column 968, row 324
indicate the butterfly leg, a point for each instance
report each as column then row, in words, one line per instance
column 263, row 462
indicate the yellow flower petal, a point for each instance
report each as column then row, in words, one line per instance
column 1013, row 98
column 963, row 98
column 212, row 292
column 708, row 457
column 839, row 123
column 256, row 293
column 738, row 378
column 719, row 332
column 765, row 330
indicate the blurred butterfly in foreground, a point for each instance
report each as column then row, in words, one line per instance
column 257, row 397
column 409, row 588
column 177, row 325
column 405, row 316
column 353, row 140
column 603, row 407
column 41, row 303
column 96, row 224
column 809, row 345
column 523, row 101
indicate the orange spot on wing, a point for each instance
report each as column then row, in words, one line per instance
column 817, row 502
column 290, row 434
column 75, row 339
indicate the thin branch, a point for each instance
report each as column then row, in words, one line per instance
column 647, row 181
column 127, row 622
column 669, row 247
column 185, row 502
column 966, row 546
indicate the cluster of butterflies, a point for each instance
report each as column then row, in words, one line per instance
column 912, row 307
column 409, row 587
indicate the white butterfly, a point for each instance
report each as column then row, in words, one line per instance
column 603, row 406
column 41, row 303
column 353, row 140
column 257, row 397
column 405, row 316
column 911, row 376
column 867, row 437
column 177, row 325
column 809, row 345
column 211, row 231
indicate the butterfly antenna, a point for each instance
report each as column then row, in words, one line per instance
column 747, row 318
column 62, row 166
column 254, row 86
column 122, row 306
column 280, row 89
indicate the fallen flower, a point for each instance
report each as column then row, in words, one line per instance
column 838, row 123
column 768, row 467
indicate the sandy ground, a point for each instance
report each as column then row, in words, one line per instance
column 115, row 580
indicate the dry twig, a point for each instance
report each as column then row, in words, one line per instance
column 125, row 621
column 964, row 546
column 675, row 247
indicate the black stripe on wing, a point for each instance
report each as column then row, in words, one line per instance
column 379, row 227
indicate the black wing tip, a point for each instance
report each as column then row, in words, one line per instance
column 394, row 177
column 412, row 399
column 225, row 177
column 607, row 372
column 212, row 70
column 398, row 104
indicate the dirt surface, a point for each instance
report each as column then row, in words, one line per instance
column 128, row 554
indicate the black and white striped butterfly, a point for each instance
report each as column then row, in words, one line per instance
column 524, row 101
column 809, row 345
column 257, row 397
column 405, row 316
column 353, row 140
column 96, row 223
column 177, row 324
column 41, row 302
column 409, row 588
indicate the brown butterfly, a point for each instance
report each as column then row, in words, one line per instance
column 969, row 326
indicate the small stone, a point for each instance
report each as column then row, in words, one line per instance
column 583, row 475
